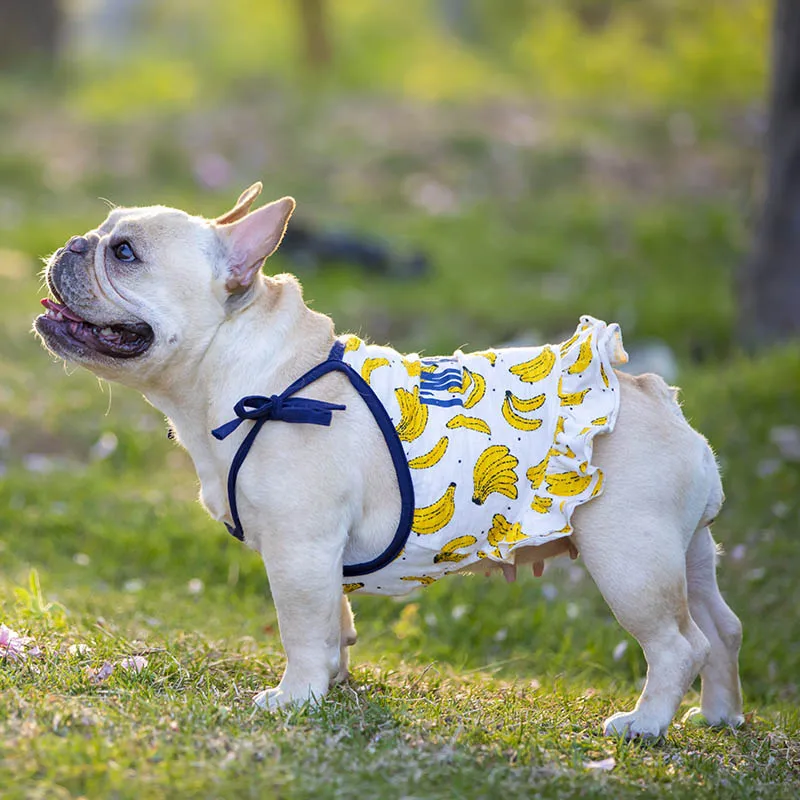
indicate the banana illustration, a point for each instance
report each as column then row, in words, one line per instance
column 489, row 355
column 503, row 531
column 571, row 398
column 494, row 472
column 433, row 456
column 571, row 341
column 600, row 421
column 536, row 473
column 353, row 343
column 603, row 375
column 478, row 388
column 448, row 553
column 434, row 517
column 537, row 368
column 525, row 405
column 541, row 504
column 559, row 426
column 584, row 357
column 413, row 366
column 568, row 484
column 598, row 487
column 351, row 587
column 370, row 365
column 466, row 382
column 425, row 580
column 473, row 423
column 515, row 420
column 413, row 415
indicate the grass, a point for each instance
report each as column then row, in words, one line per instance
column 470, row 688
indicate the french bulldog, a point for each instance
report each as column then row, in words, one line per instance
column 177, row 307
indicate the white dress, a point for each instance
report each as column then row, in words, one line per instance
column 497, row 445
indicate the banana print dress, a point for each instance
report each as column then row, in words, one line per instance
column 493, row 450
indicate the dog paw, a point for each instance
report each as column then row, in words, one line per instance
column 634, row 725
column 281, row 697
column 695, row 717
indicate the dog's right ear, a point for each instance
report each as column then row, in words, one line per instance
column 243, row 204
column 251, row 239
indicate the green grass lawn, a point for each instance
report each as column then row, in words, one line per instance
column 472, row 688
column 530, row 216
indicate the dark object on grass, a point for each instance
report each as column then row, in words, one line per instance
column 310, row 250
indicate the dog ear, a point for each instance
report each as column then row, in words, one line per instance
column 252, row 239
column 242, row 207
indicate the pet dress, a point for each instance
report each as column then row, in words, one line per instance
column 492, row 450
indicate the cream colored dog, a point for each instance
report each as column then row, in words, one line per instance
column 176, row 306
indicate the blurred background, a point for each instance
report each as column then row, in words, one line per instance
column 468, row 173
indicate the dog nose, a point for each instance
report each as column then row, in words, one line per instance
column 77, row 244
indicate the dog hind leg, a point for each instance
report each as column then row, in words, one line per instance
column 721, row 692
column 348, row 639
column 644, row 584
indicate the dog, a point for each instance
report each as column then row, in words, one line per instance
column 299, row 460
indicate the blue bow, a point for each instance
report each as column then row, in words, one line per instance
column 260, row 409
column 278, row 407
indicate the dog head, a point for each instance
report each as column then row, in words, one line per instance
column 150, row 286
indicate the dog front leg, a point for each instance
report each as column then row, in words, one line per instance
column 307, row 589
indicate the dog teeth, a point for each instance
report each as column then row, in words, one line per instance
column 106, row 331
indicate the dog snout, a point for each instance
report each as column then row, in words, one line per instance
column 78, row 244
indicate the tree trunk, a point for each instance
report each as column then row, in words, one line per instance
column 315, row 33
column 30, row 31
column 769, row 290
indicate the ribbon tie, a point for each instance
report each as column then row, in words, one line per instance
column 280, row 407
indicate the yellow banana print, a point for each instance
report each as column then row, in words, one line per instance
column 494, row 472
column 413, row 415
column 489, row 355
column 525, row 405
column 473, row 423
column 370, row 365
column 584, row 357
column 515, row 420
column 600, row 421
column 542, row 504
column 568, row 484
column 536, row 474
column 503, row 531
column 466, row 381
column 353, row 343
column 413, row 366
column 537, row 368
column 571, row 341
column 434, row 517
column 478, row 388
column 598, row 487
column 571, row 398
column 351, row 587
column 603, row 375
column 425, row 580
column 447, row 553
column 433, row 456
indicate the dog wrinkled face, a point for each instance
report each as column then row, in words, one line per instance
column 154, row 284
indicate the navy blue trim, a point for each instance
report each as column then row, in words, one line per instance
column 285, row 408
column 401, row 468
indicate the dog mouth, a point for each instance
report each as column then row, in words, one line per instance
column 124, row 340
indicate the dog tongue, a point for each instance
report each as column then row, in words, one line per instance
column 62, row 309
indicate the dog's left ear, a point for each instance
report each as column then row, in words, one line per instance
column 242, row 207
column 253, row 238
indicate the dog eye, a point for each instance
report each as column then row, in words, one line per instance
column 124, row 252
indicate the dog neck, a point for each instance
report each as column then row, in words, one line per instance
column 258, row 350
